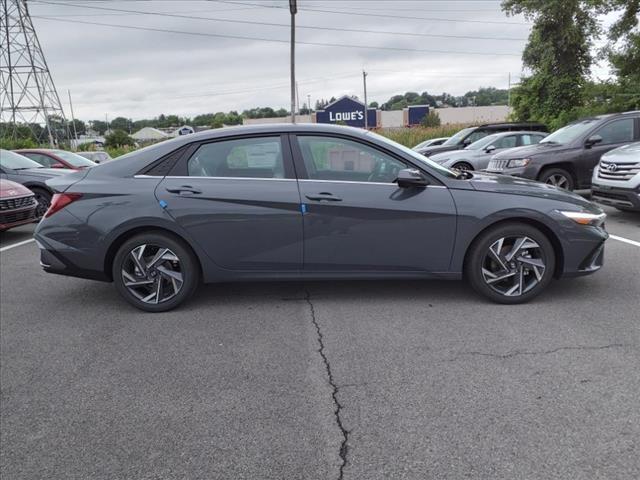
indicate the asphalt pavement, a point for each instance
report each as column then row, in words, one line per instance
column 323, row 380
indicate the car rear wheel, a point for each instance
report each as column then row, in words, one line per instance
column 558, row 178
column 511, row 263
column 44, row 201
column 155, row 272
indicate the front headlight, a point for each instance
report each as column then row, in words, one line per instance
column 585, row 218
column 518, row 162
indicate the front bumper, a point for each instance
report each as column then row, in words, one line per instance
column 616, row 196
column 14, row 218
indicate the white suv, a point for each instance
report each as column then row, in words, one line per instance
column 616, row 180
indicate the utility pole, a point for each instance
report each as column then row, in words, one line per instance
column 509, row 92
column 366, row 105
column 73, row 120
column 297, row 99
column 309, row 103
column 293, row 8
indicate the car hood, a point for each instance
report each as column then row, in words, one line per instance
column 531, row 150
column 457, row 155
column 9, row 189
column 44, row 172
column 428, row 151
column 489, row 182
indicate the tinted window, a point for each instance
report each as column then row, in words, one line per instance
column 43, row 160
column 506, row 142
column 530, row 139
column 328, row 158
column 477, row 135
column 246, row 158
column 457, row 138
column 618, row 131
column 74, row 159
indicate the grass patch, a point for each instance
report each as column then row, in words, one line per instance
column 410, row 137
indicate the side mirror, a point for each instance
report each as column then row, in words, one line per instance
column 489, row 148
column 592, row 140
column 410, row 177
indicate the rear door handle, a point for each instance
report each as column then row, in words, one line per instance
column 184, row 189
column 329, row 197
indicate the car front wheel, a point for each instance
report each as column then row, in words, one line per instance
column 558, row 178
column 155, row 272
column 511, row 263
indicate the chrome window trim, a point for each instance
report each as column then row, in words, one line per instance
column 360, row 183
column 278, row 179
column 191, row 177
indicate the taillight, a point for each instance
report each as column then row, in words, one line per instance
column 61, row 200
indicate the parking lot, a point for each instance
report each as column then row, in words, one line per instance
column 322, row 380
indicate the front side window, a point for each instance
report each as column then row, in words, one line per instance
column 337, row 159
column 509, row 141
column 619, row 131
column 241, row 158
column 475, row 136
column 43, row 160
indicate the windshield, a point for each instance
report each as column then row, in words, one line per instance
column 74, row 159
column 14, row 161
column 433, row 165
column 570, row 132
column 457, row 138
column 483, row 142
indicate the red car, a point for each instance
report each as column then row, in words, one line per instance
column 57, row 158
column 17, row 205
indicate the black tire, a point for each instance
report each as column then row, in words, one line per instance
column 479, row 253
column 463, row 166
column 188, row 268
column 43, row 197
column 558, row 177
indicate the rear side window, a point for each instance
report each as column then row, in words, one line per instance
column 529, row 139
column 240, row 158
column 618, row 131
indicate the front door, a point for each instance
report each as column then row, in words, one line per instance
column 239, row 200
column 357, row 219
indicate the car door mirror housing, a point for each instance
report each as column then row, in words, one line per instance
column 592, row 140
column 410, row 177
column 489, row 148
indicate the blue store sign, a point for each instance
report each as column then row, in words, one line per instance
column 346, row 111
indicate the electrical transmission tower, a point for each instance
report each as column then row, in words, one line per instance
column 29, row 103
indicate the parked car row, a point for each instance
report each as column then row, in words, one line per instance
column 568, row 158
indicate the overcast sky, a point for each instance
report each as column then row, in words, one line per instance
column 140, row 73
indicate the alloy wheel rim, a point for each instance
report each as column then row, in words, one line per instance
column 558, row 180
column 513, row 265
column 152, row 273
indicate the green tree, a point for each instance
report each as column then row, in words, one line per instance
column 431, row 120
column 121, row 123
column 117, row 139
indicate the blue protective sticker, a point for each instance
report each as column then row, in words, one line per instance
column 163, row 204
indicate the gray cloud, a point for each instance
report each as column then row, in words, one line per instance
column 139, row 74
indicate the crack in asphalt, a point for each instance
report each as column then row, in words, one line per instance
column 344, row 448
column 516, row 353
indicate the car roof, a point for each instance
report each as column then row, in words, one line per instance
column 518, row 132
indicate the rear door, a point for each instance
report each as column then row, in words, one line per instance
column 239, row 199
column 358, row 220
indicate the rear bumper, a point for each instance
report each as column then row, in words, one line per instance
column 616, row 196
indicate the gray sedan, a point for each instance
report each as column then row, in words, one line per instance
column 477, row 155
column 303, row 202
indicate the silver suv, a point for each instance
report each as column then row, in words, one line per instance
column 616, row 180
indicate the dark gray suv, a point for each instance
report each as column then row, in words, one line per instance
column 296, row 202
column 567, row 157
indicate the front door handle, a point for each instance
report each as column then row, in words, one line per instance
column 184, row 189
column 329, row 197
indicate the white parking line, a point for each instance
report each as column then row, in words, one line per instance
column 24, row 242
column 625, row 240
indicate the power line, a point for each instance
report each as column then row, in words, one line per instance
column 387, row 16
column 250, row 22
column 273, row 40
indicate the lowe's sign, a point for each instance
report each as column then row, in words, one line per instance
column 347, row 111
